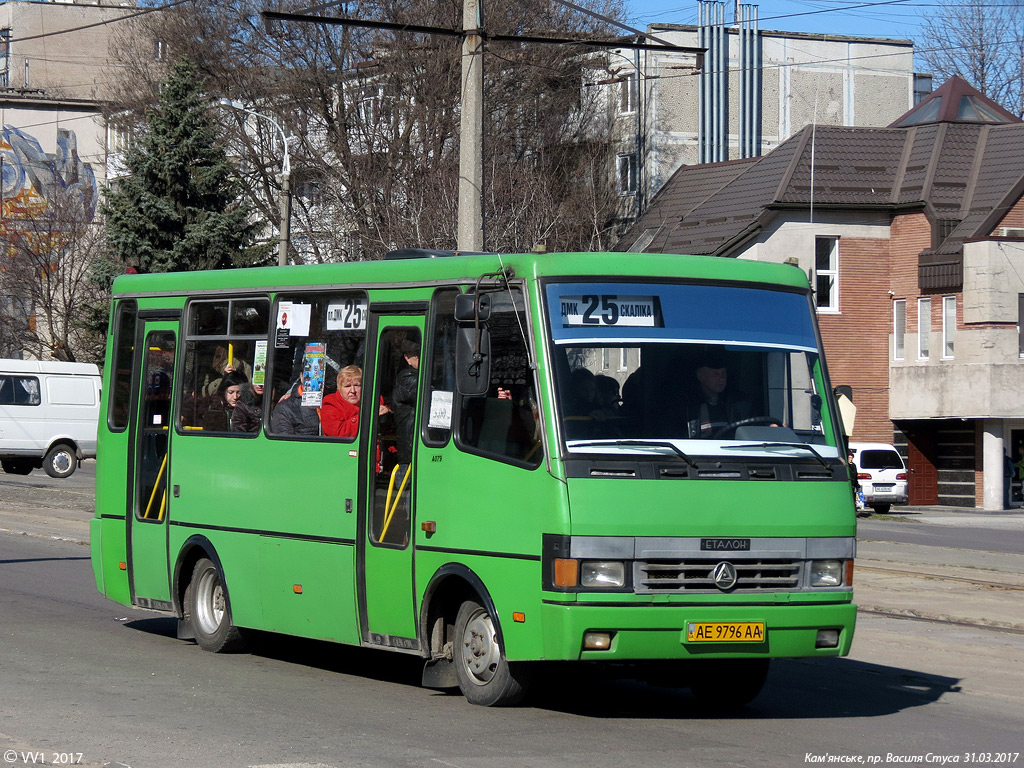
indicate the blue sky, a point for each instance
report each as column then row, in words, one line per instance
column 894, row 18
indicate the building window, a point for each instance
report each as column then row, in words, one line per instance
column 627, row 95
column 1020, row 324
column 924, row 327
column 899, row 328
column 826, row 269
column 948, row 325
column 627, row 174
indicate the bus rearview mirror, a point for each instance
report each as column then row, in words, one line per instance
column 473, row 361
column 470, row 307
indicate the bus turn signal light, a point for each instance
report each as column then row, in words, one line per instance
column 566, row 572
column 297, row 589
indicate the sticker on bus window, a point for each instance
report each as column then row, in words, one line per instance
column 347, row 315
column 259, row 363
column 440, row 410
column 313, row 375
column 604, row 310
column 293, row 317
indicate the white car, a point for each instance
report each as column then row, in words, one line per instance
column 881, row 473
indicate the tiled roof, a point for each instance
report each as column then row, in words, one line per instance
column 966, row 174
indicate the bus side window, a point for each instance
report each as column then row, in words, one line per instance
column 314, row 337
column 225, row 349
column 505, row 424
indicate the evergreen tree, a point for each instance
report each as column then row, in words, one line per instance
column 179, row 206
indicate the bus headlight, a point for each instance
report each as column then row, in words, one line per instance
column 826, row 573
column 602, row 573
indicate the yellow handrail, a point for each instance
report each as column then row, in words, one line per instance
column 387, row 504
column 163, row 465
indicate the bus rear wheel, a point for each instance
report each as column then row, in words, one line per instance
column 485, row 676
column 210, row 610
column 727, row 684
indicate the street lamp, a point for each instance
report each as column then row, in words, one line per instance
column 285, row 178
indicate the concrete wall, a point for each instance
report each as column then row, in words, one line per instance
column 70, row 65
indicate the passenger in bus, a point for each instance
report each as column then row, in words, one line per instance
column 607, row 397
column 221, row 407
column 224, row 361
column 340, row 411
column 291, row 417
column 715, row 405
column 403, row 399
column 249, row 410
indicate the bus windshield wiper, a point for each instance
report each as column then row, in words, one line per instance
column 641, row 443
column 804, row 446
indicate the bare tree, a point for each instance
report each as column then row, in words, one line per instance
column 376, row 114
column 982, row 42
column 46, row 280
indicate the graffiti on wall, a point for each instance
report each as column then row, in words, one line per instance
column 43, row 191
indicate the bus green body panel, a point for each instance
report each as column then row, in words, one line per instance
column 307, row 589
column 615, row 507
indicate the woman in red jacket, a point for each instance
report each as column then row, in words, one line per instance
column 339, row 413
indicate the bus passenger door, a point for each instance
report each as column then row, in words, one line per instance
column 387, row 600
column 150, row 441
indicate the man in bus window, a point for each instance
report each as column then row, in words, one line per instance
column 716, row 405
column 403, row 399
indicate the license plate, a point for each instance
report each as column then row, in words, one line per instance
column 725, row 632
column 883, row 487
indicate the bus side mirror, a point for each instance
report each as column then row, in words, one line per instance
column 473, row 344
column 473, row 361
column 471, row 307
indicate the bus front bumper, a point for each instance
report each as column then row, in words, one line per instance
column 661, row 631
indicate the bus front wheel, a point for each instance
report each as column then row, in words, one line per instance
column 210, row 610
column 485, row 676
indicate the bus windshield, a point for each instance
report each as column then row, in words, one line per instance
column 704, row 369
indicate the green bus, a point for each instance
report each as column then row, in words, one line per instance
column 625, row 460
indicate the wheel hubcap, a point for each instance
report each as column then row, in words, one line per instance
column 209, row 602
column 480, row 652
column 62, row 462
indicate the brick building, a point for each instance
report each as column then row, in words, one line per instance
column 913, row 236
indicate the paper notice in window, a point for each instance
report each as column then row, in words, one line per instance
column 440, row 410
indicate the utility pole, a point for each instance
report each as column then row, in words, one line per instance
column 471, row 169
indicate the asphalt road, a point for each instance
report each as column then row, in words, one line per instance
column 82, row 677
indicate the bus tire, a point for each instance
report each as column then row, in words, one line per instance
column 210, row 611
column 727, row 684
column 484, row 674
column 60, row 461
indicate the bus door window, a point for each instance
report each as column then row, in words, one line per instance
column 157, row 373
column 397, row 375
column 442, row 369
column 505, row 424
column 315, row 337
column 222, row 389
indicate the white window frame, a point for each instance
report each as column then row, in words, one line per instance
column 831, row 303
column 899, row 329
column 924, row 327
column 627, row 94
column 1020, row 325
column 948, row 326
column 625, row 168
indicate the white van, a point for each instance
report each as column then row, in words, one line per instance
column 48, row 415
column 881, row 473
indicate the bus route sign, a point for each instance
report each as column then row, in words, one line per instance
column 591, row 310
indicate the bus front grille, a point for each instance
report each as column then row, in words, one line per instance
column 697, row 575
